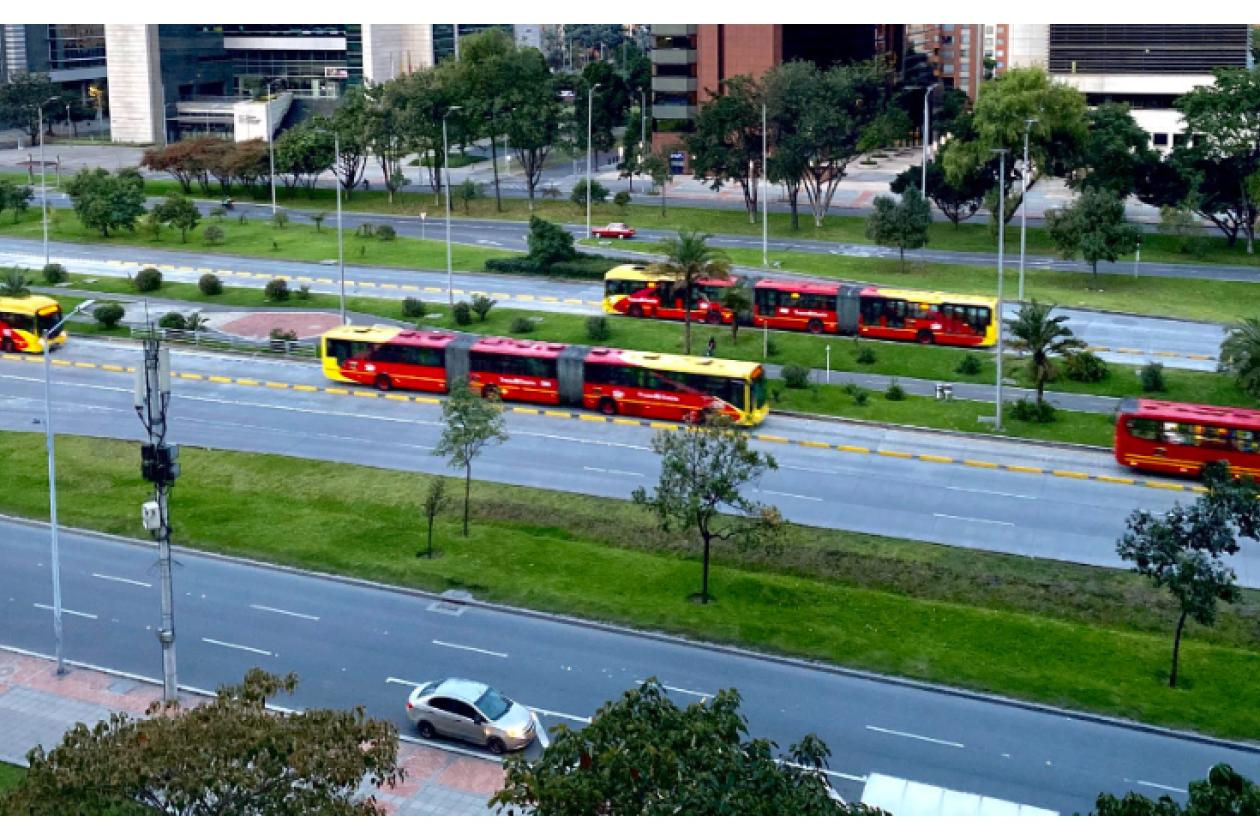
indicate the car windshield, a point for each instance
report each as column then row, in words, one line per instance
column 493, row 705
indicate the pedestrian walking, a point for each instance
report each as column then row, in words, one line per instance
column 712, row 348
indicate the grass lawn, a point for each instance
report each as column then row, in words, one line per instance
column 1075, row 636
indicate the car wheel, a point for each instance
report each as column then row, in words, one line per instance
column 635, row 311
column 426, row 729
column 496, row 746
column 607, row 406
column 815, row 326
column 383, row 383
column 490, row 392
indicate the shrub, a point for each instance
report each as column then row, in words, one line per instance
column 173, row 321
column 1031, row 411
column 598, row 193
column 280, row 219
column 278, row 334
column 147, row 280
column 861, row 396
column 597, row 328
column 277, row 290
column 1084, row 367
column 622, row 198
column 772, row 347
column 462, row 313
column 108, row 314
column 969, row 365
column 865, row 355
column 303, row 292
column 212, row 235
column 1152, row 376
column 386, row 233
column 209, row 284
column 514, row 265
column 796, row 376
column 55, row 273
column 522, row 325
column 481, row 304
column 895, row 392
column 413, row 308
column 548, row 242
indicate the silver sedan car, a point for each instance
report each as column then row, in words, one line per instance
column 471, row 711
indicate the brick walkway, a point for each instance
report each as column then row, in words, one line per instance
column 37, row 707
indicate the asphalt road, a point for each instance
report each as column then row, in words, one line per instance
column 355, row 645
column 1128, row 339
column 1025, row 499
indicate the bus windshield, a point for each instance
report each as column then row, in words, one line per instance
column 48, row 319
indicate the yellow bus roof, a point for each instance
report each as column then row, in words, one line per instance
column 374, row 333
column 920, row 296
column 631, row 271
column 729, row 368
column 31, row 305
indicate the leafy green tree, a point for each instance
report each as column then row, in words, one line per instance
column 427, row 96
column 1043, row 336
column 686, row 259
column 531, row 115
column 470, row 191
column 548, row 242
column 958, row 202
column 900, row 224
column 644, row 756
column 435, row 500
column 726, row 145
column 1224, row 793
column 484, row 74
column 885, row 130
column 482, row 304
column 1114, row 153
column 1209, row 186
column 1094, row 227
column 353, row 123
column 599, row 193
column 230, row 757
column 301, row 154
column 1178, row 224
column 610, row 104
column 179, row 160
column 472, row 424
column 15, row 197
column 1181, row 550
column 1240, row 355
column 20, row 100
column 107, row 202
column 383, row 112
column 736, row 299
column 704, row 470
column 179, row 212
column 657, row 168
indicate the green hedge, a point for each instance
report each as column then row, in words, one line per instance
column 583, row 268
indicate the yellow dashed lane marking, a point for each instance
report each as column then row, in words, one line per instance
column 936, row 459
column 1111, row 479
column 986, row 465
column 367, row 394
column 656, row 425
column 336, row 391
column 197, row 376
column 1022, row 469
column 60, row 362
column 1069, row 474
column 118, row 368
column 247, row 382
column 280, row 385
column 428, row 400
column 85, row 364
column 305, row 388
column 814, row 444
column 399, row 397
column 591, row 418
column 772, row 438
column 221, row 379
column 892, row 453
column 1164, row 485
column 857, row 450
column 621, row 421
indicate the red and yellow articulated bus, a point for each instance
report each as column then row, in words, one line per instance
column 1179, row 438
column 815, row 306
column 23, row 322
column 611, row 381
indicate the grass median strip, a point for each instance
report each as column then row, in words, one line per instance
column 1077, row 636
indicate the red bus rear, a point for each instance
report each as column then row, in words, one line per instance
column 1179, row 438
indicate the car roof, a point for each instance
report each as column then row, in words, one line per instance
column 465, row 690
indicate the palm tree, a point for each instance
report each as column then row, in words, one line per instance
column 1037, row 332
column 13, row 283
column 1240, row 355
column 736, row 299
column 687, row 259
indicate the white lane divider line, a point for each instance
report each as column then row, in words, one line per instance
column 473, row 649
column 245, row 648
column 834, row 773
column 901, row 734
column 1157, row 786
column 791, row 495
column 614, row 472
column 989, row 492
column 122, row 580
column 565, row 715
column 68, row 612
column 283, row 612
column 974, row 519
column 397, row 681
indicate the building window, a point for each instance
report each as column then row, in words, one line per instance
column 1160, row 138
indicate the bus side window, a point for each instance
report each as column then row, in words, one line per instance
column 1244, row 440
column 1143, row 428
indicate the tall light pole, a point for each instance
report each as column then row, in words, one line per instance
column 446, row 165
column 590, row 105
column 927, row 126
column 765, row 198
column 271, row 158
column 341, row 240
column 1001, row 153
column 1023, row 209
column 49, row 334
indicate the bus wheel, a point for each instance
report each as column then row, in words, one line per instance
column 491, row 392
column 607, row 406
column 814, row 326
column 635, row 311
column 383, row 383
column 925, row 337
column 6, row 344
column 714, row 317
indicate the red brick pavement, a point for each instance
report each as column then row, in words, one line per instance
column 260, row 324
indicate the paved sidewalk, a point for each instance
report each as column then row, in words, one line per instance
column 37, row 707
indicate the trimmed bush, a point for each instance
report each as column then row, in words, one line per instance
column 895, row 392
column 210, row 284
column 969, row 365
column 278, row 334
column 277, row 290
column 1031, row 411
column 55, row 273
column 598, row 193
column 522, row 325
column 598, row 328
column 303, row 292
column 147, row 280
column 1152, row 377
column 386, row 233
column 861, row 396
column 481, row 304
column 772, row 347
column 514, row 265
column 173, row 321
column 796, row 376
column 462, row 313
column 413, row 308
column 1084, row 367
column 108, row 314
column 622, row 198
column 865, row 355
column 213, row 234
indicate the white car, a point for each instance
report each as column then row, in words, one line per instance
column 473, row 712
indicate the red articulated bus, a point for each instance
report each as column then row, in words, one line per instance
column 630, row 290
column 1179, row 438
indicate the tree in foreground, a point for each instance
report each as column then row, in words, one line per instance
column 657, row 168
column 107, row 202
column 958, row 201
column 644, row 756
column 686, row 259
column 1181, row 550
column 1043, row 336
column 472, row 424
column 1094, row 227
column 230, row 756
column 1224, row 793
column 434, row 501
column 1240, row 355
column 704, row 470
column 180, row 212
column 900, row 224
column 736, row 299
column 15, row 197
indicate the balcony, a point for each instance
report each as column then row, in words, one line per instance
column 675, row 84
column 674, row 29
column 673, row 56
column 674, row 112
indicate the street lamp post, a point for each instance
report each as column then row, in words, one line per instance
column 765, row 198
column 927, row 125
column 1001, row 153
column 55, row 549
column 341, row 240
column 271, row 158
column 1023, row 209
column 446, row 165
column 590, row 106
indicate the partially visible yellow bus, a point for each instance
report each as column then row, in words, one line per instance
column 23, row 321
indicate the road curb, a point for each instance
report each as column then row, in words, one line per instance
column 811, row 664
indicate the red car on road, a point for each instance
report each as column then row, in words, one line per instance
column 616, row 230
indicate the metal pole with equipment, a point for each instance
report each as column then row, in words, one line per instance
column 1023, row 209
column 927, row 128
